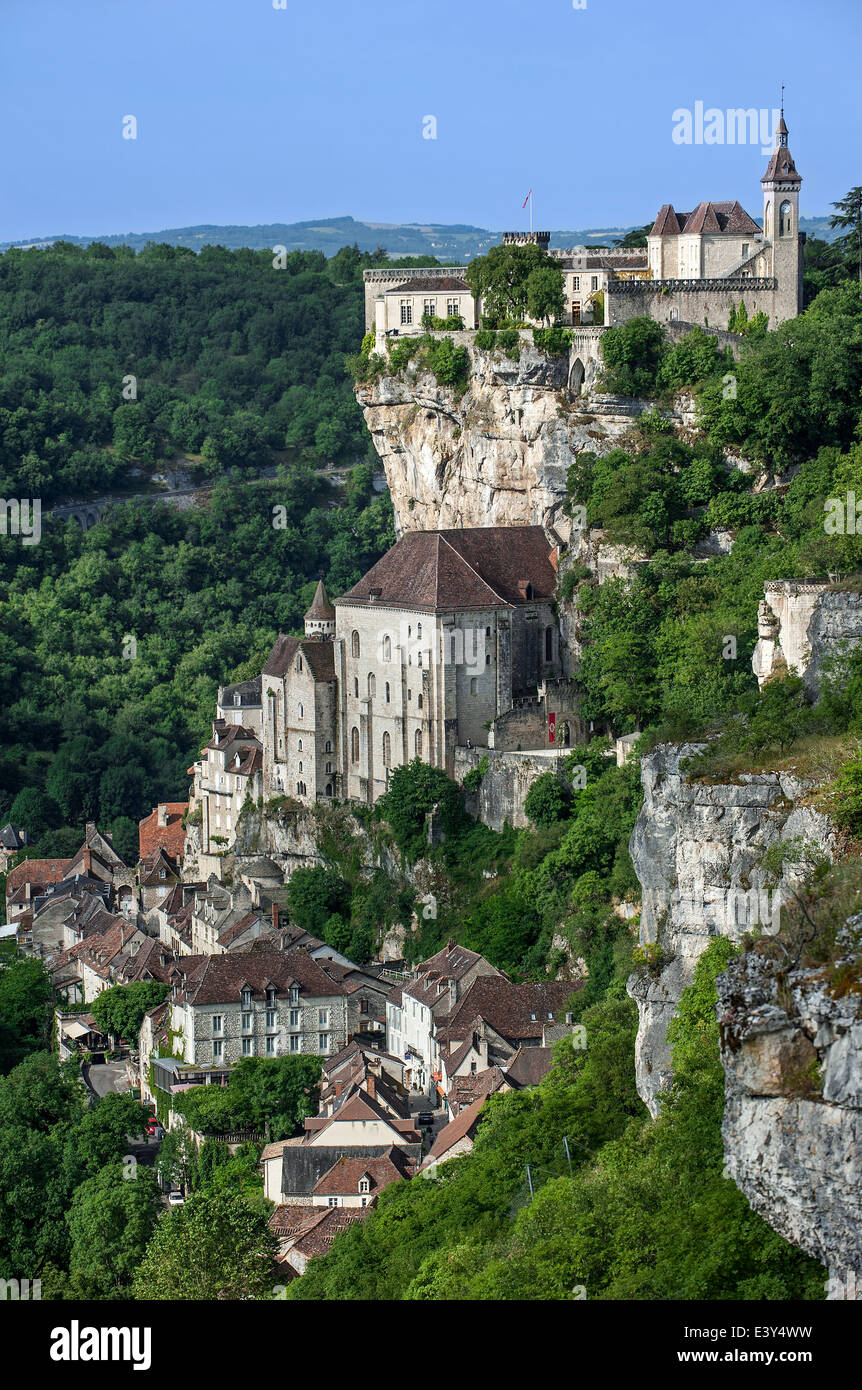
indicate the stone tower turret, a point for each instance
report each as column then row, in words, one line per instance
column 781, row 184
column 320, row 618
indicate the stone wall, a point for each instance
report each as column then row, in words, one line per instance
column 704, row 302
column 792, row 1056
column 504, row 787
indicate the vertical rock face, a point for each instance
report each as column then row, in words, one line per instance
column 696, row 849
column 496, row 456
column 792, row 1056
column 802, row 625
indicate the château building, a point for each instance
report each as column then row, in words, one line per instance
column 450, row 640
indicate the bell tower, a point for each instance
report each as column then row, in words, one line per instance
column 781, row 184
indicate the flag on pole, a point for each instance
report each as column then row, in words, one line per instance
column 527, row 199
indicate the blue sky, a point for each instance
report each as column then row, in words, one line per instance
column 250, row 114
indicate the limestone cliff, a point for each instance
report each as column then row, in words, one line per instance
column 803, row 625
column 498, row 454
column 696, row 849
column 791, row 1047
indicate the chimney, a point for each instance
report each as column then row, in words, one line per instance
column 275, row 916
column 122, row 934
column 338, row 1089
column 163, row 815
column 369, row 1084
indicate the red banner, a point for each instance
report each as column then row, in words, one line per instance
column 552, row 728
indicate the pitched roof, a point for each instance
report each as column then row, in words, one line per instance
column 529, row 1066
column 320, row 657
column 321, row 609
column 439, row 571
column 781, row 166
column 249, row 693
column 427, row 284
column 515, row 1011
column 464, row 1124
column 36, row 872
column 220, row 979
column 465, row 1090
column 345, row 1174
column 728, row 217
column 171, row 836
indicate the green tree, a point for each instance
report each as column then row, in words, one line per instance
column 26, row 999
column 213, row 1247
column 111, row 1220
column 120, row 1010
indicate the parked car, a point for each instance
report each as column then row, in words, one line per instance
column 154, row 1129
column 425, row 1119
column 175, row 1199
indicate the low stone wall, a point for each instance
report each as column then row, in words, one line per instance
column 503, row 791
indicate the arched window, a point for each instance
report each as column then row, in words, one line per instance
column 487, row 632
column 300, row 711
column 300, row 764
column 387, row 751
column 354, row 745
column 329, row 767
column 419, row 631
column 387, row 647
column 327, row 747
column 549, row 644
column 372, row 685
column 785, row 220
column 356, row 686
column 419, row 701
column 417, row 743
column 299, row 745
column 299, row 663
column 418, row 658
column 474, row 686
column 329, row 789
column 387, row 692
column 354, row 643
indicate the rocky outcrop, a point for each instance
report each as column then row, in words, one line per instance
column 791, row 1047
column 696, row 849
column 496, row 456
column 802, row 625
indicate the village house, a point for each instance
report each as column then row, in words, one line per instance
column 256, row 1003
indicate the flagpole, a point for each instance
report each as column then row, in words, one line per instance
column 531, row 212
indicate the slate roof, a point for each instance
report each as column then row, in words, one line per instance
column 248, row 691
column 320, row 657
column 730, row 218
column 781, row 165
column 321, row 608
column 441, row 571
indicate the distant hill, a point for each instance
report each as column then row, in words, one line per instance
column 446, row 242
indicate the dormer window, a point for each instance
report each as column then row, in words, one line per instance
column 364, row 1185
column 294, row 994
column 270, row 997
column 246, row 997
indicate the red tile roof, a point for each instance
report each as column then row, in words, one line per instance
column 171, row 837
column 36, row 872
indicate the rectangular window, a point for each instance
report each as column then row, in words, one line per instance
column 333, row 1201
column 406, row 311
column 430, row 308
column 594, row 282
column 270, row 1046
column 323, row 1042
column 323, row 1018
column 248, row 1047
column 295, row 1042
column 217, row 1049
column 576, row 283
column 294, row 1018
column 218, row 1023
column 270, row 1019
column 453, row 307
